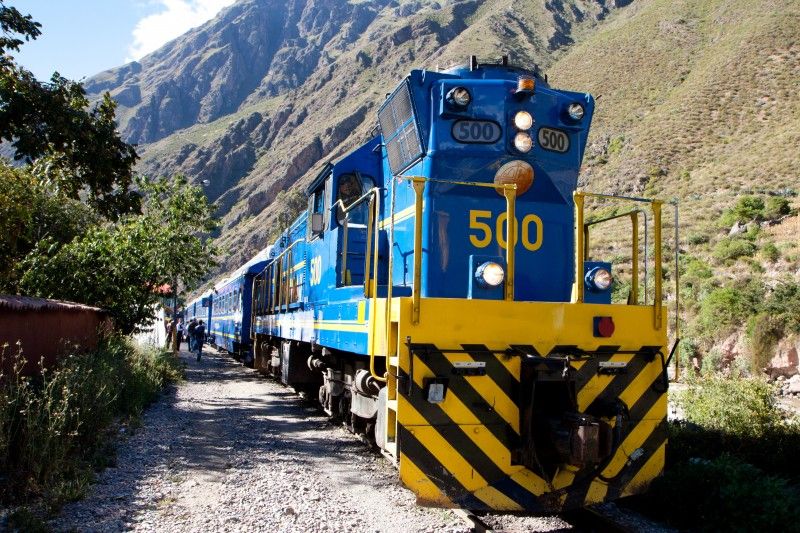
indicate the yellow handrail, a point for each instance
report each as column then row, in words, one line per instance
column 418, row 183
column 633, row 214
column 581, row 248
column 509, row 191
column 511, row 242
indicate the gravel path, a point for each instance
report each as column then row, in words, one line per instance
column 229, row 450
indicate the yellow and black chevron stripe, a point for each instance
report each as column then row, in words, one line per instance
column 461, row 452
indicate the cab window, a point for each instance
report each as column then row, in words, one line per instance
column 351, row 187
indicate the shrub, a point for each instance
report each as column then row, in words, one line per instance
column 727, row 307
column 776, row 207
column 770, row 252
column 724, row 494
column 764, row 331
column 732, row 248
column 783, row 303
column 744, row 407
column 747, row 208
column 697, row 238
column 53, row 426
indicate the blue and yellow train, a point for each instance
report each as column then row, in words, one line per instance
column 485, row 358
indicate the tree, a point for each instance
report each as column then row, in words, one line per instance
column 77, row 148
column 119, row 266
column 30, row 212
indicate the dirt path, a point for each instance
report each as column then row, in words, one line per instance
column 229, row 450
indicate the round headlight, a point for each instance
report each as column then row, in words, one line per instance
column 575, row 111
column 490, row 274
column 523, row 120
column 601, row 279
column 459, row 96
column 523, row 142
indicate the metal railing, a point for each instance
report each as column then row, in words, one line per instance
column 510, row 194
column 373, row 195
column 281, row 278
column 582, row 248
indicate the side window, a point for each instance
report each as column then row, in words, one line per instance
column 317, row 210
column 351, row 187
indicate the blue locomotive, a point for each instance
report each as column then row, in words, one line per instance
column 483, row 356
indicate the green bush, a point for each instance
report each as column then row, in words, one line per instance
column 770, row 252
column 744, row 407
column 732, row 248
column 52, row 426
column 725, row 308
column 783, row 303
column 724, row 494
column 776, row 207
column 747, row 208
column 697, row 238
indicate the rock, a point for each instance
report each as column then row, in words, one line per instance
column 737, row 229
column 785, row 360
column 731, row 348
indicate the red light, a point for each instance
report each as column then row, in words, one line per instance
column 603, row 326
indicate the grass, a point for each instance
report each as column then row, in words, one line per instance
column 57, row 428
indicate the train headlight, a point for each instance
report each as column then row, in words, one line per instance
column 523, row 142
column 490, row 274
column 523, row 120
column 575, row 111
column 599, row 279
column 459, row 97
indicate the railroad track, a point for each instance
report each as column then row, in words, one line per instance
column 585, row 520
column 473, row 521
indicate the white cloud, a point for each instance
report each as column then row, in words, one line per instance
column 173, row 18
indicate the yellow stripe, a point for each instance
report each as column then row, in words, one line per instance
column 530, row 481
column 596, row 493
column 641, row 384
column 491, row 392
column 496, row 499
column 445, row 453
column 299, row 265
column 635, row 438
column 400, row 216
column 482, row 437
column 426, row 490
column 653, row 467
column 598, row 383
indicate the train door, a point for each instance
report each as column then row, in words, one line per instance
column 352, row 211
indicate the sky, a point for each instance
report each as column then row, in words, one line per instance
column 83, row 37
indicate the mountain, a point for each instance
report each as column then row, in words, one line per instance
column 257, row 99
column 697, row 100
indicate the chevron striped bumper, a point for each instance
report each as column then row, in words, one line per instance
column 531, row 411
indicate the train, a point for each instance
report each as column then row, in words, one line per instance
column 484, row 357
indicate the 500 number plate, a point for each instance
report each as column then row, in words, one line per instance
column 476, row 131
column 553, row 140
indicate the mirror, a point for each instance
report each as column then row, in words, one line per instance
column 317, row 223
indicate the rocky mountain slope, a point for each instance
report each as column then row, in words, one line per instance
column 255, row 100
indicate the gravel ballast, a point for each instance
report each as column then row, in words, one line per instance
column 230, row 450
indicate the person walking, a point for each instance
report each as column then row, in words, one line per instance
column 181, row 332
column 190, row 340
column 200, row 336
